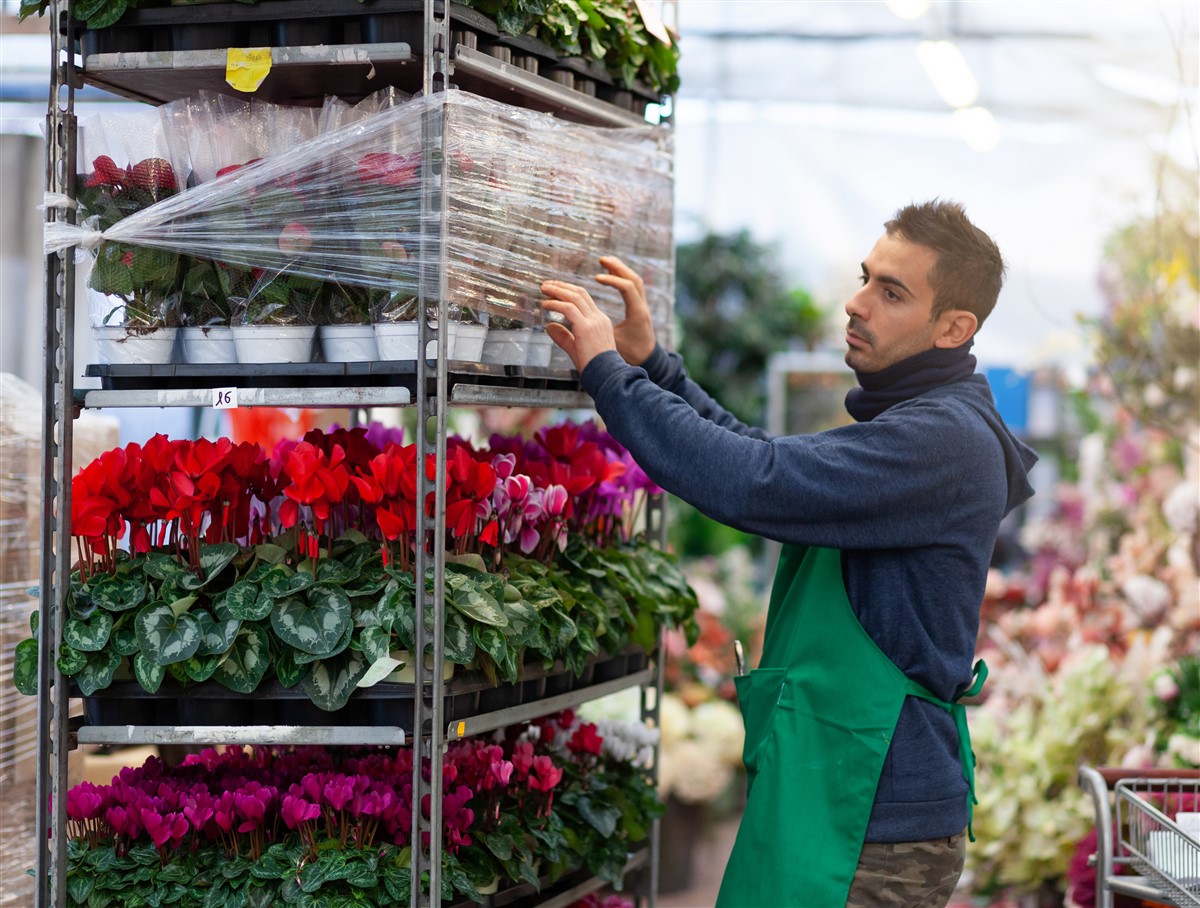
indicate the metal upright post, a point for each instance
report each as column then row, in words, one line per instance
column 57, row 415
column 429, row 684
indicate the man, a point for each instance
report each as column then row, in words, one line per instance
column 858, row 761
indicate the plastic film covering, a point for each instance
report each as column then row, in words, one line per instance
column 242, row 212
column 20, row 550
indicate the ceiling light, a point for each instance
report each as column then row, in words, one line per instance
column 949, row 72
column 908, row 9
column 978, row 127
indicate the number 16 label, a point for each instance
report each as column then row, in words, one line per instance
column 225, row 398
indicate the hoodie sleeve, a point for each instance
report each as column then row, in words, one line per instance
column 887, row 483
column 666, row 370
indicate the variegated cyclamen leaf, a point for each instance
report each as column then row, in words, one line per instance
column 165, row 637
column 213, row 559
column 281, row 582
column 269, row 553
column 314, row 623
column 329, row 571
column 287, row 670
column 247, row 660
column 25, row 667
column 492, row 641
column 216, row 634
column 149, row 674
column 476, row 604
column 523, row 623
column 375, row 643
column 124, row 638
column 332, row 681
column 368, row 581
column 303, row 658
column 585, row 639
column 89, row 636
column 81, row 607
column 458, row 641
column 164, row 567
column 201, row 668
column 98, row 672
column 70, row 660
column 118, row 594
column 246, row 601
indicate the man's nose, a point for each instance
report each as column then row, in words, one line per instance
column 855, row 306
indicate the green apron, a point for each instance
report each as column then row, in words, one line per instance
column 819, row 713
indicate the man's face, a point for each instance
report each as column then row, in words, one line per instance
column 890, row 315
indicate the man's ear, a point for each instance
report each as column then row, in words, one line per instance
column 955, row 328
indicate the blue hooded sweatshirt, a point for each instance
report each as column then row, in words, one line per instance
column 912, row 495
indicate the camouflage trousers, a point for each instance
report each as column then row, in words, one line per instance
column 908, row 874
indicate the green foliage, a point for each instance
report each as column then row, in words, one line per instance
column 610, row 32
column 250, row 616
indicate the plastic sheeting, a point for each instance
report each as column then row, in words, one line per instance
column 315, row 216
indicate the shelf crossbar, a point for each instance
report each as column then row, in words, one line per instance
column 513, row 715
column 352, row 397
column 241, row 734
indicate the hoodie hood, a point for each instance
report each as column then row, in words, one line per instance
column 1019, row 458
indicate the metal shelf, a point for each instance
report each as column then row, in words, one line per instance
column 297, row 74
column 239, row 734
column 309, row 73
column 477, row 72
column 247, row 397
column 475, row 725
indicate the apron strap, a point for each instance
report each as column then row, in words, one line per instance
column 965, row 754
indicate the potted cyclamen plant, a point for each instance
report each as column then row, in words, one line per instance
column 274, row 315
column 136, row 289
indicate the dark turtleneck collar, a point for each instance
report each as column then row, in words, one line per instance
column 908, row 378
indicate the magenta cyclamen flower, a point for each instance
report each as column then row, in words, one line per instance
column 296, row 811
column 122, row 822
column 545, row 774
column 85, row 801
column 338, row 791
column 163, row 829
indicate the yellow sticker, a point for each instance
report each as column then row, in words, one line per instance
column 462, row 729
column 246, row 67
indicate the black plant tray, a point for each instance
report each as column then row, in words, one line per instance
column 275, row 23
column 526, row 895
column 385, row 704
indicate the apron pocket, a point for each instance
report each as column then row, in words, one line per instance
column 758, row 696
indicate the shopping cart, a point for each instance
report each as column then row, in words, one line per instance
column 1147, row 844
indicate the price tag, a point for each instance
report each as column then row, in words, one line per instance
column 246, row 67
column 653, row 21
column 225, row 398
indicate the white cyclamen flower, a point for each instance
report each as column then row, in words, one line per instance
column 718, row 723
column 1181, row 508
column 1147, row 596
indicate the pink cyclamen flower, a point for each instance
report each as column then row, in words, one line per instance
column 297, row 810
column 545, row 774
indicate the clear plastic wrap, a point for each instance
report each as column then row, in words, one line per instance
column 329, row 230
column 20, row 544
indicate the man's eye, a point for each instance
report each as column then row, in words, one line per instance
column 862, row 279
column 892, row 295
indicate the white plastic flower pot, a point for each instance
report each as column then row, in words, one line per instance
column 397, row 341
column 121, row 346
column 349, row 343
column 541, row 349
column 274, row 343
column 466, row 341
column 208, row 345
column 507, row 346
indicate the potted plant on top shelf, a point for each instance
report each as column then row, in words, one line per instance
column 136, row 289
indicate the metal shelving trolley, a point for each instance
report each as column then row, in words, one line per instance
column 442, row 55
column 1147, row 834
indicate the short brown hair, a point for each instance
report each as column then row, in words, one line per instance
column 969, row 271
